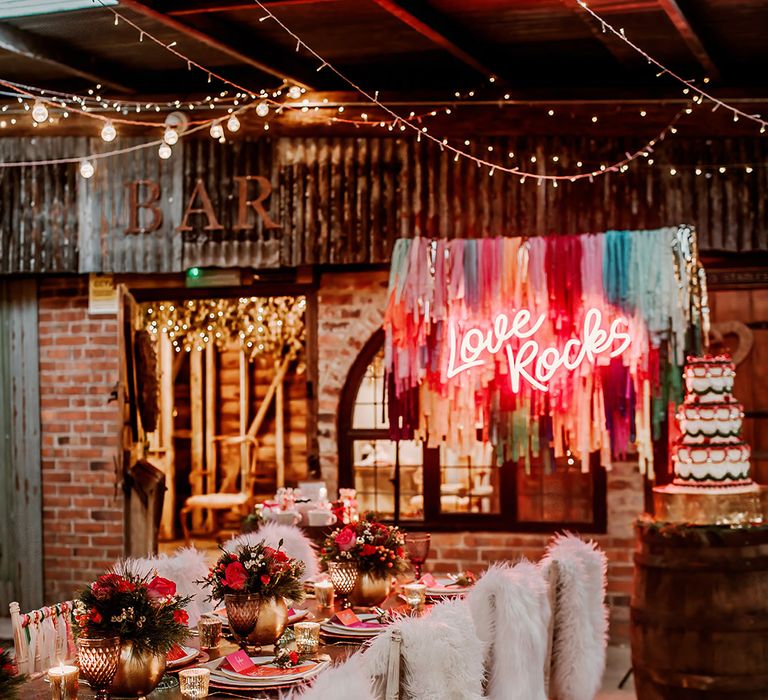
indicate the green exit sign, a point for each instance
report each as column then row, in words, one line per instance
column 212, row 277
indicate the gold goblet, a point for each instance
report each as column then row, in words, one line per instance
column 343, row 577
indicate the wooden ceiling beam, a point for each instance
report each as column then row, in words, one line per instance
column 237, row 6
column 623, row 53
column 440, row 31
column 216, row 42
column 64, row 57
column 690, row 37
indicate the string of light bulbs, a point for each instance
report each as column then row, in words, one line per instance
column 690, row 85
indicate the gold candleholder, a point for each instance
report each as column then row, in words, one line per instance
column 415, row 595
column 324, row 594
column 64, row 682
column 209, row 632
column 193, row 682
column 307, row 637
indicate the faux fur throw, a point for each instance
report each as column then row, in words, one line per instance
column 295, row 544
column 510, row 608
column 442, row 657
column 184, row 567
column 345, row 681
column 581, row 618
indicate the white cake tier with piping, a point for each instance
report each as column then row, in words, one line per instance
column 712, row 463
column 710, row 423
column 709, row 380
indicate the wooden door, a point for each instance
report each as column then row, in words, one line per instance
column 21, row 556
column 740, row 324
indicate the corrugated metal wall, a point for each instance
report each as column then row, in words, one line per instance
column 345, row 200
column 21, row 556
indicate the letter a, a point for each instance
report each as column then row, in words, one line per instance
column 206, row 209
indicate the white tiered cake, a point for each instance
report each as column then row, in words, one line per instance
column 710, row 455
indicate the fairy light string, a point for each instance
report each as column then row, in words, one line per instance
column 690, row 85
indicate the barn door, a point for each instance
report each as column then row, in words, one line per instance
column 21, row 569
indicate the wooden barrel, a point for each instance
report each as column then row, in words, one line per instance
column 700, row 613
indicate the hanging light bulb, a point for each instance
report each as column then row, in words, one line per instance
column 108, row 132
column 294, row 92
column 164, row 151
column 171, row 136
column 87, row 169
column 39, row 112
column 262, row 109
column 233, row 123
column 216, row 131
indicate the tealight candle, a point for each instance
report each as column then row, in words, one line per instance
column 415, row 595
column 193, row 682
column 324, row 593
column 64, row 682
column 307, row 637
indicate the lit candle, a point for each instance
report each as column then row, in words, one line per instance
column 64, row 682
column 324, row 593
column 307, row 637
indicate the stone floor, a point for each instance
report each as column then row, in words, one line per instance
column 618, row 664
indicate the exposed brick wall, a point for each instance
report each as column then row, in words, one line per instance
column 79, row 367
column 350, row 309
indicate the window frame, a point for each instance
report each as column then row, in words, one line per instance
column 503, row 521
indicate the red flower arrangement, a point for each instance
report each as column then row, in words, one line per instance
column 143, row 610
column 376, row 548
column 257, row 569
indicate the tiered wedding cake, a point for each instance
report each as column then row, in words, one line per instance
column 710, row 455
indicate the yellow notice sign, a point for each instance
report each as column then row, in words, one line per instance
column 102, row 294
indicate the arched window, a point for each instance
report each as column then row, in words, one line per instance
column 409, row 483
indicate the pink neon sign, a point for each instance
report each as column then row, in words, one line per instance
column 531, row 363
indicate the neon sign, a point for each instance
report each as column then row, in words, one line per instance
column 531, row 363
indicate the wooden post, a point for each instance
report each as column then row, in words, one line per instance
column 210, row 426
column 279, row 428
column 167, row 461
column 244, row 402
column 197, row 436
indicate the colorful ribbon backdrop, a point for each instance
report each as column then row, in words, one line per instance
column 549, row 346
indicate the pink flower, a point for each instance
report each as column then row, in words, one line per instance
column 160, row 588
column 346, row 539
column 235, row 576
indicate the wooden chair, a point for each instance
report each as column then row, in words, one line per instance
column 42, row 638
column 240, row 501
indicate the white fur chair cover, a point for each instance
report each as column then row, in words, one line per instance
column 581, row 618
column 295, row 544
column 345, row 681
column 511, row 612
column 184, row 568
column 442, row 656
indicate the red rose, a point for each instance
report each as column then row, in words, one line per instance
column 368, row 550
column 235, row 576
column 109, row 585
column 294, row 657
column 281, row 556
column 346, row 539
column 160, row 587
column 181, row 617
column 265, row 579
column 95, row 616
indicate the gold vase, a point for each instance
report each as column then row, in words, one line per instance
column 370, row 590
column 138, row 673
column 273, row 619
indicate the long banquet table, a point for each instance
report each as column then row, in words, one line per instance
column 38, row 689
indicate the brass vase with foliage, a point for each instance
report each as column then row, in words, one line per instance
column 138, row 672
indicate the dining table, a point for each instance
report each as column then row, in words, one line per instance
column 336, row 650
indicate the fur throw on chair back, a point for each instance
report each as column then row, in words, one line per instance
column 345, row 681
column 581, row 617
column 442, row 656
column 184, row 568
column 295, row 544
column 511, row 612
